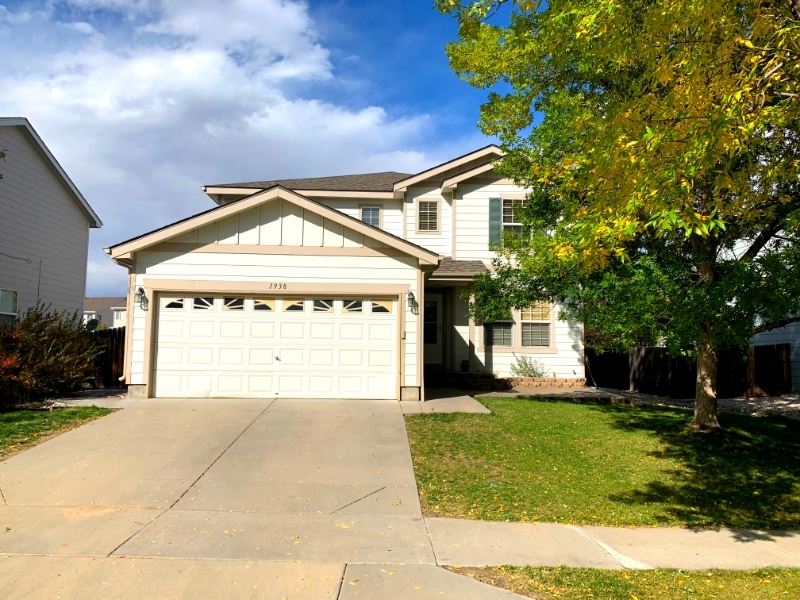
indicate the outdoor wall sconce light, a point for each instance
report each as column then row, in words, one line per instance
column 139, row 298
column 412, row 302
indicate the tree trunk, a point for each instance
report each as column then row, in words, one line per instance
column 705, row 398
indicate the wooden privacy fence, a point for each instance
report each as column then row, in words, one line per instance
column 109, row 366
column 758, row 371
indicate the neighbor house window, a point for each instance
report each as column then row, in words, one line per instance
column 428, row 216
column 371, row 215
column 8, row 309
column 536, row 325
column 498, row 334
column 511, row 215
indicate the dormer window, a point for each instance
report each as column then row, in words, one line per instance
column 371, row 215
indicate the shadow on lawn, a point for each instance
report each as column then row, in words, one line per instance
column 746, row 477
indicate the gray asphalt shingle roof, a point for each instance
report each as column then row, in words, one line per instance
column 367, row 182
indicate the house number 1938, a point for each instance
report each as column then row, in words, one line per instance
column 277, row 286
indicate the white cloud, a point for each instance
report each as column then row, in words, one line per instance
column 197, row 92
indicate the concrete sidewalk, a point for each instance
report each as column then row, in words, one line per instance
column 276, row 499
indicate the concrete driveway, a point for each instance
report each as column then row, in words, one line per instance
column 220, row 498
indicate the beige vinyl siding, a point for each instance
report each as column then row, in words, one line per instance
column 566, row 362
column 785, row 335
column 39, row 220
column 392, row 210
column 278, row 223
column 276, row 268
column 472, row 218
column 441, row 242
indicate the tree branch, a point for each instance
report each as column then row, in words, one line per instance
column 775, row 325
column 762, row 239
column 794, row 6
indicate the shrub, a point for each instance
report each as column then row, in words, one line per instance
column 527, row 367
column 48, row 353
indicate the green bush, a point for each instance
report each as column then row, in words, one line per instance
column 47, row 354
column 527, row 367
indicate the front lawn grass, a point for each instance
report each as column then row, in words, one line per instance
column 564, row 462
column 21, row 429
column 659, row 584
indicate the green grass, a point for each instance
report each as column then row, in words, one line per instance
column 21, row 429
column 557, row 461
column 660, row 584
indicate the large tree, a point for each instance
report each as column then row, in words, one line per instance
column 660, row 140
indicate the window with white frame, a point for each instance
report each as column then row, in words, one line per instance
column 8, row 308
column 428, row 216
column 371, row 215
column 498, row 334
column 511, row 214
column 535, row 321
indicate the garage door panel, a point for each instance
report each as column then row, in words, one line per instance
column 262, row 357
column 201, row 329
column 351, row 358
column 260, row 384
column 322, row 331
column 262, row 331
column 266, row 353
column 321, row 358
column 231, row 331
column 292, row 357
column 232, row 357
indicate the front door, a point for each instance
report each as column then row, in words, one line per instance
column 432, row 329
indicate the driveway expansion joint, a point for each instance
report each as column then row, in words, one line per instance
column 625, row 561
column 359, row 500
column 186, row 491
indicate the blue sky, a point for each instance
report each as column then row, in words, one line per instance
column 144, row 101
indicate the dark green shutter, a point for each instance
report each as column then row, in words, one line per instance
column 495, row 221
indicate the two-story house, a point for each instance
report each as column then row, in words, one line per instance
column 336, row 287
column 44, row 227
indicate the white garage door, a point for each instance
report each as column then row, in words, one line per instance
column 266, row 347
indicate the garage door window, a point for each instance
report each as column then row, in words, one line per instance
column 203, row 304
column 294, row 305
column 172, row 303
column 266, row 304
column 323, row 305
column 233, row 304
column 353, row 306
column 382, row 306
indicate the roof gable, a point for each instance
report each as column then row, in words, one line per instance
column 484, row 156
column 33, row 138
column 223, row 225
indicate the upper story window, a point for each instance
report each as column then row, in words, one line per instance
column 428, row 216
column 511, row 210
column 371, row 215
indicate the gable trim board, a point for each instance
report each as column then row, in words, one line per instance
column 24, row 125
column 124, row 249
column 488, row 151
column 450, row 183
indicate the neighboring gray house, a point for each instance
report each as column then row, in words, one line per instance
column 44, row 229
column 109, row 311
